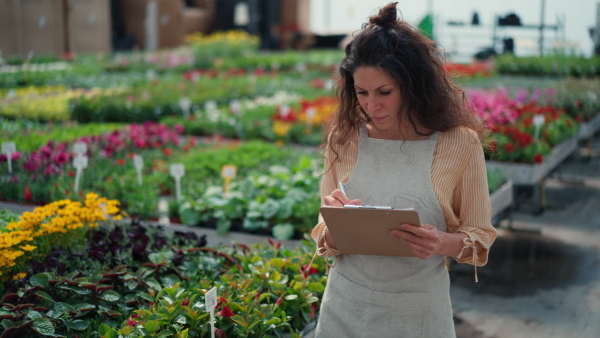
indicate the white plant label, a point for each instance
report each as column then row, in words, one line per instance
column 538, row 121
column 150, row 74
column 235, row 106
column 301, row 67
column 11, row 94
column 210, row 105
column 80, row 163
column 311, row 112
column 138, row 163
column 228, row 171
column 30, row 55
column 79, row 148
column 8, row 148
column 285, row 111
column 210, row 301
column 177, row 170
column 185, row 103
column 329, row 84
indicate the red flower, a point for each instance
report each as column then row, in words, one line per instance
column 167, row 152
column 131, row 156
column 71, row 173
column 121, row 161
column 131, row 322
column 221, row 301
column 226, row 312
column 185, row 302
column 538, row 158
column 257, row 297
column 28, row 194
column 220, row 334
column 306, row 271
column 509, row 147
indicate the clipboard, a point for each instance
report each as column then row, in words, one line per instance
column 366, row 231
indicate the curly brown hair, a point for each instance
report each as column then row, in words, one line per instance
column 428, row 94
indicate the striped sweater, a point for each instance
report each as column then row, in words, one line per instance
column 459, row 179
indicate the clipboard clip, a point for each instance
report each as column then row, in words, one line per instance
column 351, row 206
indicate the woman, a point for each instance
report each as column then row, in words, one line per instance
column 402, row 136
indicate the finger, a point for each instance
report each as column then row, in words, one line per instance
column 356, row 202
column 410, row 237
column 339, row 195
column 331, row 201
column 418, row 250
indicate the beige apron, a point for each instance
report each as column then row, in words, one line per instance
column 382, row 296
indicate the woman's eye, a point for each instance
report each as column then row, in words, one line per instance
column 385, row 93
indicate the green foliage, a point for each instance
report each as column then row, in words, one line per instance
column 554, row 65
column 284, row 200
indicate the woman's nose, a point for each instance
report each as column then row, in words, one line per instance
column 371, row 103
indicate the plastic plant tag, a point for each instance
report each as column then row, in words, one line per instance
column 301, row 67
column 538, row 121
column 210, row 105
column 329, row 84
column 138, row 163
column 150, row 74
column 177, row 170
column 235, row 106
column 80, row 163
column 228, row 171
column 79, row 148
column 185, row 103
column 311, row 112
column 285, row 110
column 210, row 301
column 8, row 148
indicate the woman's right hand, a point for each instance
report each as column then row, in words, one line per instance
column 337, row 199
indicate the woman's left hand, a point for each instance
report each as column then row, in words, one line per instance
column 424, row 241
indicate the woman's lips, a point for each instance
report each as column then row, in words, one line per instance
column 378, row 119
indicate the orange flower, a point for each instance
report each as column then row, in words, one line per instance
column 121, row 161
column 108, row 179
column 167, row 152
column 131, row 156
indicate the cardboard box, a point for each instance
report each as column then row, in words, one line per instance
column 154, row 23
column 42, row 28
column 89, row 26
column 295, row 15
column 10, row 30
column 197, row 20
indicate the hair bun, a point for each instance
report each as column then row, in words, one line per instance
column 387, row 16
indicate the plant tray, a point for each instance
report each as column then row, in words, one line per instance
column 531, row 174
column 588, row 129
column 501, row 198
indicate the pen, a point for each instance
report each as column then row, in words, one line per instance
column 342, row 188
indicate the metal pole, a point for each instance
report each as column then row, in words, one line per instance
column 542, row 15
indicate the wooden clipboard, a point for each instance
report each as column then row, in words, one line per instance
column 367, row 231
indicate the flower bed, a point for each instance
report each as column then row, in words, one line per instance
column 531, row 174
column 123, row 279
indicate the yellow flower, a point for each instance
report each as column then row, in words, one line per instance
column 28, row 247
column 19, row 276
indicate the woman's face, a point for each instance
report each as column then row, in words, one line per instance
column 379, row 96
